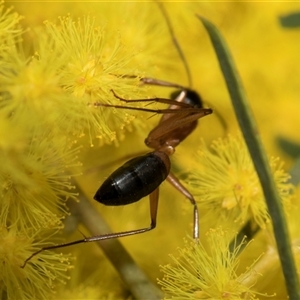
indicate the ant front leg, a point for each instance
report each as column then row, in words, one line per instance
column 158, row 82
column 184, row 107
column 179, row 187
column 150, row 100
column 154, row 81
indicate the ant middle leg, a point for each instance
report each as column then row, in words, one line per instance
column 179, row 187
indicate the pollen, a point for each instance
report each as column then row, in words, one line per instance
column 226, row 182
column 199, row 273
column 18, row 283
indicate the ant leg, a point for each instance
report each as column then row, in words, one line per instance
column 153, row 213
column 154, row 81
column 176, row 183
column 153, row 197
column 155, row 99
column 203, row 111
column 175, row 42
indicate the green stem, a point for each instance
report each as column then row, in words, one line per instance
column 137, row 281
column 250, row 132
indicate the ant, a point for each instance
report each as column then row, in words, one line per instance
column 142, row 175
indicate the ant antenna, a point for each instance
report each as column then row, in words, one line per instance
column 175, row 42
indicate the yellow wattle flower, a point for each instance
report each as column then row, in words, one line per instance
column 9, row 28
column 92, row 63
column 35, row 183
column 18, row 283
column 54, row 90
column 226, row 184
column 198, row 273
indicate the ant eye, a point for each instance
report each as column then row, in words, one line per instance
column 194, row 99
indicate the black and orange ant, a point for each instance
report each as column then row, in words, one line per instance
column 142, row 175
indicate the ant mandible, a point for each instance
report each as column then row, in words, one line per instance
column 142, row 176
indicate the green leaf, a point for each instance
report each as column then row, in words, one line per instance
column 250, row 132
column 289, row 147
column 291, row 20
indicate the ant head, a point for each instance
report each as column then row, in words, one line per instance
column 191, row 97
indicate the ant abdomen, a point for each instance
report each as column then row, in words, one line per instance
column 134, row 180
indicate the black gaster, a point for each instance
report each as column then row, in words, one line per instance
column 134, row 180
